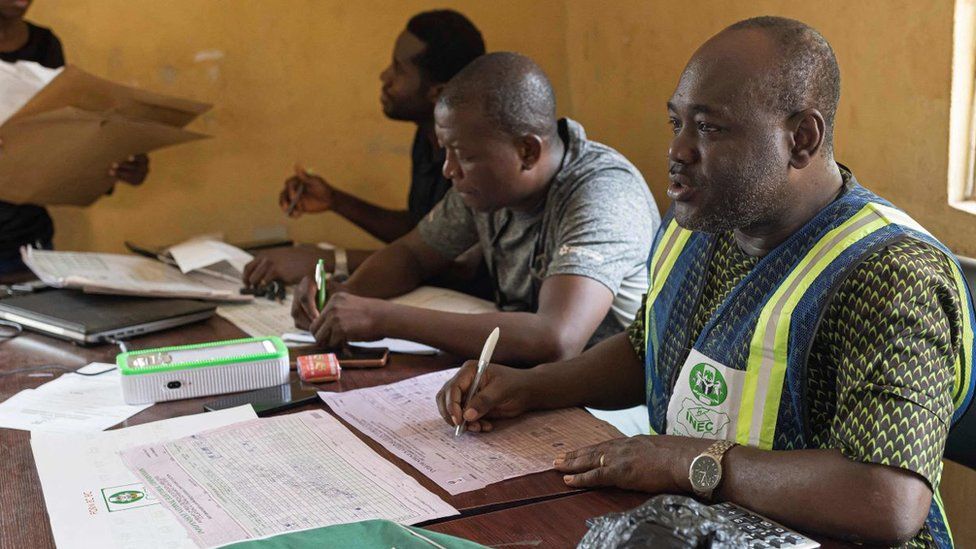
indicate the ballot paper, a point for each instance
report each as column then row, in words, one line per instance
column 125, row 275
column 403, row 417
column 92, row 498
column 267, row 476
column 70, row 403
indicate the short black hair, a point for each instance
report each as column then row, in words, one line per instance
column 808, row 76
column 515, row 95
column 452, row 42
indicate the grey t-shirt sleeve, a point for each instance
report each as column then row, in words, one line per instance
column 450, row 227
column 604, row 231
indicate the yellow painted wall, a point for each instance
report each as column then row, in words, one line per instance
column 296, row 81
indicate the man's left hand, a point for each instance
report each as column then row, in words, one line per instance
column 646, row 463
column 348, row 317
column 132, row 171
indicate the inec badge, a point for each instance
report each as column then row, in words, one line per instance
column 705, row 402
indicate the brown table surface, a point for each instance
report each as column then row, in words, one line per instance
column 536, row 510
column 24, row 521
column 557, row 522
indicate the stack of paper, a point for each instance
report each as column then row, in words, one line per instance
column 57, row 149
column 70, row 403
column 92, row 498
column 403, row 417
column 126, row 275
column 267, row 476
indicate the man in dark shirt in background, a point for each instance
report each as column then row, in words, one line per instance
column 27, row 223
column 432, row 49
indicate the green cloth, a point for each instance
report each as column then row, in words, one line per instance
column 365, row 534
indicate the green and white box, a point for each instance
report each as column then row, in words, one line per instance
column 187, row 371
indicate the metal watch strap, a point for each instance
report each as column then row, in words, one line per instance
column 716, row 451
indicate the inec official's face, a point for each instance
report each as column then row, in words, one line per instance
column 482, row 163
column 404, row 91
column 729, row 157
column 13, row 9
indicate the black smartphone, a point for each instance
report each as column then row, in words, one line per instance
column 269, row 400
column 351, row 356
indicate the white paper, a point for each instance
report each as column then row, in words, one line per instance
column 70, row 403
column 92, row 498
column 20, row 81
column 202, row 252
column 442, row 299
column 403, row 417
column 126, row 275
column 281, row 474
column 394, row 345
column 261, row 317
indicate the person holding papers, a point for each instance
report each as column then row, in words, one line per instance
column 564, row 224
column 804, row 346
column 433, row 48
column 23, row 224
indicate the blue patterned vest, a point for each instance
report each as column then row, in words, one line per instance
column 748, row 384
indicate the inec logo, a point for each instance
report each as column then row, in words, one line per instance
column 707, row 384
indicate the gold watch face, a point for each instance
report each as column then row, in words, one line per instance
column 705, row 473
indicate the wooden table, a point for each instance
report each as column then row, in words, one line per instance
column 24, row 521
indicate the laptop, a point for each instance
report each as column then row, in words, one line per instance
column 95, row 318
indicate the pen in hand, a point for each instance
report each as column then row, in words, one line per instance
column 296, row 199
column 321, row 278
column 483, row 361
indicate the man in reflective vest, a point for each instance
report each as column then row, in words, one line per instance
column 804, row 346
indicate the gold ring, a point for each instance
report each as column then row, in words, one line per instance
column 602, row 458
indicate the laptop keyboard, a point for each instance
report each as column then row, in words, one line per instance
column 762, row 532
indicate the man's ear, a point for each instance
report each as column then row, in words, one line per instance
column 529, row 150
column 807, row 131
column 434, row 92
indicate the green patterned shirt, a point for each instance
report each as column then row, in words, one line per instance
column 880, row 370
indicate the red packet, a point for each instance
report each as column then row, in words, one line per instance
column 319, row 368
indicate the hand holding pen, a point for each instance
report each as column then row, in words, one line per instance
column 483, row 362
column 305, row 192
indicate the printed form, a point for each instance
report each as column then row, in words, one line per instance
column 92, row 498
column 403, row 417
column 268, row 476
column 71, row 403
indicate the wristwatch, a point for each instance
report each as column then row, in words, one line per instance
column 341, row 270
column 705, row 472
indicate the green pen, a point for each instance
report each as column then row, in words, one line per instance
column 320, row 280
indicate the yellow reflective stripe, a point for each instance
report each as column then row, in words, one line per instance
column 766, row 366
column 661, row 269
column 937, row 496
column 961, row 384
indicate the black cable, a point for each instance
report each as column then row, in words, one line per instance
column 53, row 367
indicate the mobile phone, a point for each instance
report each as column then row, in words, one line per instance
column 268, row 400
column 351, row 356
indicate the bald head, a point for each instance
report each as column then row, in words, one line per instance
column 512, row 92
column 796, row 70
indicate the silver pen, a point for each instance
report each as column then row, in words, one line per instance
column 482, row 366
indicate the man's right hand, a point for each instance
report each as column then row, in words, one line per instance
column 504, row 392
column 286, row 264
column 318, row 195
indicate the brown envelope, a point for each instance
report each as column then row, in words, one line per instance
column 57, row 149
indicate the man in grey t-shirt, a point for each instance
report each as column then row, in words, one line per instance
column 594, row 223
column 565, row 225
